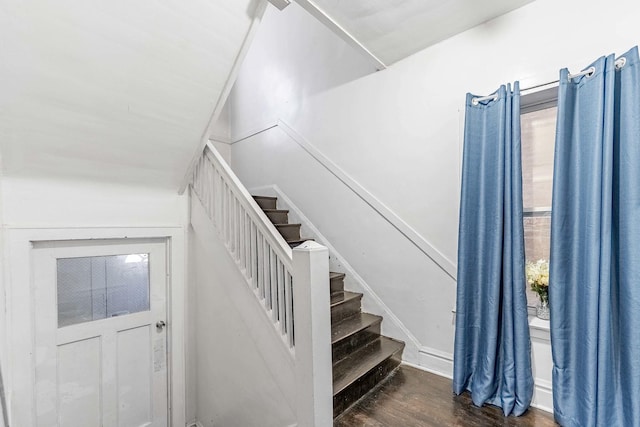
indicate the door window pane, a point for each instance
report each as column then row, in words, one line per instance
column 93, row 288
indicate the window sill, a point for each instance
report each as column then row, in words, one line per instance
column 539, row 329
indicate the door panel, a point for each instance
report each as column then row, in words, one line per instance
column 79, row 376
column 101, row 360
column 134, row 377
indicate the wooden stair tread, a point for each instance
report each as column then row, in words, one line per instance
column 358, row 363
column 341, row 297
column 276, row 210
column 297, row 241
column 266, row 202
column 352, row 325
column 287, row 225
column 335, row 275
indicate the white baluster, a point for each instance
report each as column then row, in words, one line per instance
column 260, row 265
column 274, row 286
column 208, row 189
column 267, row 274
column 218, row 200
column 288, row 298
column 281, row 301
column 229, row 218
column 247, row 247
column 238, row 218
column 254, row 256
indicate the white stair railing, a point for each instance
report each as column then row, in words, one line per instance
column 265, row 260
column 291, row 285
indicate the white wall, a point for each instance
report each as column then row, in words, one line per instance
column 40, row 203
column 221, row 134
column 397, row 133
column 389, row 263
column 68, row 209
column 291, row 58
column 244, row 378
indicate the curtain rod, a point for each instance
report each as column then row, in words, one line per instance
column 620, row 62
column 494, row 96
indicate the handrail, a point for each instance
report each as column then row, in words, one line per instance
column 251, row 205
column 263, row 257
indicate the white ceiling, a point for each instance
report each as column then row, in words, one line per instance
column 395, row 29
column 117, row 91
column 122, row 90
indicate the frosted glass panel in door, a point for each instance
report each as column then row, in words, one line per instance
column 94, row 288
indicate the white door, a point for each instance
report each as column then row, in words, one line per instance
column 100, row 333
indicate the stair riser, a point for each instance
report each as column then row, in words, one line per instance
column 364, row 384
column 265, row 203
column 337, row 284
column 290, row 232
column 278, row 217
column 345, row 347
column 344, row 310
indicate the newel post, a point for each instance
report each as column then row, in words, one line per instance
column 312, row 316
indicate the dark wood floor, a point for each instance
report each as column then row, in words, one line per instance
column 412, row 398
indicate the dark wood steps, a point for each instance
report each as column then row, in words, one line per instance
column 336, row 282
column 344, row 304
column 266, row 202
column 353, row 325
column 295, row 242
column 289, row 231
column 361, row 357
column 359, row 372
column 349, row 369
column 277, row 216
column 343, row 297
column 353, row 332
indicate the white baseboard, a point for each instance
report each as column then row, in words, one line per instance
column 195, row 424
column 543, row 396
column 436, row 361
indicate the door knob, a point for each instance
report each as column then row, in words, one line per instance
column 160, row 325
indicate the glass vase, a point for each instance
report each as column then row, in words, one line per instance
column 542, row 309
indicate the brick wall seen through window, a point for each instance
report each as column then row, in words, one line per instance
column 538, row 140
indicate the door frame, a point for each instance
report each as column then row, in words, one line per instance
column 18, row 275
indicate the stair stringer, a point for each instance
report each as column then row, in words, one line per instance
column 392, row 326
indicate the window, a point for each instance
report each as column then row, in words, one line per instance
column 538, row 127
column 99, row 287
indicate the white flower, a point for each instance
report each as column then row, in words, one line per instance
column 538, row 274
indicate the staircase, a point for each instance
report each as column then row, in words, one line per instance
column 362, row 358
